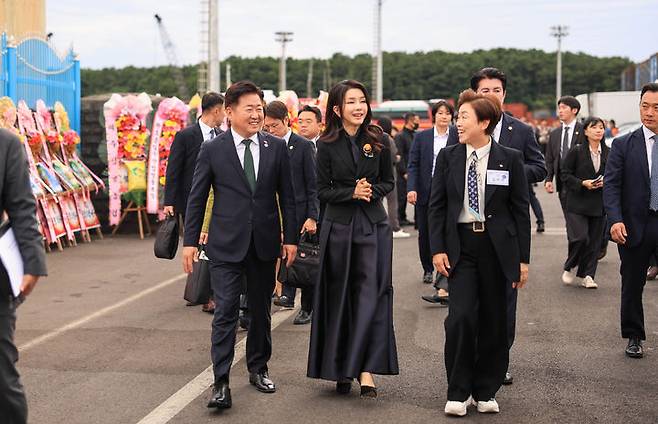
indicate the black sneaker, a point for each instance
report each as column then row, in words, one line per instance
column 540, row 227
column 302, row 318
column 428, row 278
column 284, row 302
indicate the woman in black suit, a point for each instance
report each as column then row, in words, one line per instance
column 352, row 332
column 480, row 239
column 582, row 174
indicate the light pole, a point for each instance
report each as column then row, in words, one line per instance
column 559, row 31
column 283, row 37
column 377, row 64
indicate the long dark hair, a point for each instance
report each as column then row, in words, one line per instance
column 334, row 126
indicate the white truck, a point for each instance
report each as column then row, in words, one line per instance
column 622, row 106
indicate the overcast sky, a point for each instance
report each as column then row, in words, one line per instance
column 123, row 32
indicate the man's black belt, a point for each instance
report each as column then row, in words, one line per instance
column 653, row 213
column 476, row 227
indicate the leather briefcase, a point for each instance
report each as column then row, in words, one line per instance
column 197, row 286
column 166, row 240
column 304, row 271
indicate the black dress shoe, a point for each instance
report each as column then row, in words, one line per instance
column 284, row 302
column 508, row 379
column 262, row 382
column 428, row 277
column 344, row 386
column 634, row 348
column 368, row 392
column 302, row 318
column 540, row 227
column 435, row 298
column 221, row 396
column 243, row 320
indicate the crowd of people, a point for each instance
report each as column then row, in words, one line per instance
column 249, row 192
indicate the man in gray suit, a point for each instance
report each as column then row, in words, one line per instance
column 17, row 202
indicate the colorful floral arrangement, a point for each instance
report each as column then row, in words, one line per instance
column 170, row 127
column 35, row 141
column 54, row 139
column 132, row 135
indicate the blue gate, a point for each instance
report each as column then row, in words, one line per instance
column 33, row 70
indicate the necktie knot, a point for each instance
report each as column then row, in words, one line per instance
column 247, row 141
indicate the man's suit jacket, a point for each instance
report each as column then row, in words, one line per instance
column 17, row 200
column 403, row 141
column 304, row 176
column 338, row 173
column 180, row 166
column 506, row 207
column 553, row 148
column 242, row 216
column 626, row 185
column 421, row 159
column 519, row 136
column 578, row 166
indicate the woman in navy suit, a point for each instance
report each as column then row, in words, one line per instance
column 352, row 332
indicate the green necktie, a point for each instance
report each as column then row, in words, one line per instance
column 249, row 171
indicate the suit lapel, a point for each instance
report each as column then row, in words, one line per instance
column 265, row 157
column 637, row 138
column 458, row 170
column 292, row 145
column 506, row 131
column 344, row 148
column 198, row 133
column 496, row 163
column 232, row 154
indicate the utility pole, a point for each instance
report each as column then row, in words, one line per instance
column 228, row 75
column 309, row 79
column 559, row 32
column 283, row 37
column 377, row 63
column 214, row 70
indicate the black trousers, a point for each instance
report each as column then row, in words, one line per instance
column 476, row 351
column 585, row 234
column 13, row 405
column 634, row 264
column 402, row 197
column 424, row 251
column 535, row 205
column 226, row 279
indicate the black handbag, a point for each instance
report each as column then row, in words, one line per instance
column 303, row 272
column 197, row 286
column 166, row 240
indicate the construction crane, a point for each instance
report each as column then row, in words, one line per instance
column 170, row 51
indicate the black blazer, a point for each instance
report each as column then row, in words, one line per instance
column 506, row 207
column 304, row 176
column 17, row 200
column 180, row 166
column 240, row 215
column 553, row 148
column 578, row 166
column 519, row 136
column 421, row 159
column 337, row 176
column 627, row 187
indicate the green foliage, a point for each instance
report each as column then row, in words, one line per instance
column 420, row 75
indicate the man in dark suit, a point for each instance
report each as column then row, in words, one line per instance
column 422, row 160
column 302, row 163
column 249, row 172
column 185, row 149
column 630, row 198
column 403, row 141
column 17, row 201
column 510, row 132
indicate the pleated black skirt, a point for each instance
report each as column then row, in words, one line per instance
column 352, row 329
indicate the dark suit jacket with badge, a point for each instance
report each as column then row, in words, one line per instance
column 553, row 148
column 626, row 185
column 302, row 162
column 17, row 200
column 575, row 168
column 519, row 136
column 506, row 207
column 180, row 166
column 338, row 173
column 242, row 216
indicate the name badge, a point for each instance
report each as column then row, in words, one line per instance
column 498, row 178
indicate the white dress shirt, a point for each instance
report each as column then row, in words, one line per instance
column 465, row 216
column 287, row 137
column 572, row 127
column 596, row 157
column 254, row 148
column 205, row 130
column 649, row 141
column 440, row 141
column 497, row 130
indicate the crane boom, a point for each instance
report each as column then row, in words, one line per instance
column 170, row 51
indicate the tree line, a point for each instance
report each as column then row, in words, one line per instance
column 420, row 75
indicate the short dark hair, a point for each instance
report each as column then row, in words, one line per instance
column 239, row 89
column 486, row 107
column 409, row 116
column 210, row 100
column 652, row 86
column 276, row 110
column 570, row 101
column 488, row 73
column 593, row 120
column 385, row 124
column 436, row 106
column 314, row 110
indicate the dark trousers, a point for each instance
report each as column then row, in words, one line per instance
column 585, row 234
column 307, row 296
column 476, row 351
column 402, row 197
column 562, row 194
column 13, row 405
column 424, row 250
column 226, row 279
column 634, row 263
column 535, row 205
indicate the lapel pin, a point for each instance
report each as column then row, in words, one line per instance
column 265, row 143
column 509, row 128
column 500, row 164
column 291, row 147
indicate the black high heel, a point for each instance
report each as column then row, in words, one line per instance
column 368, row 392
column 344, row 386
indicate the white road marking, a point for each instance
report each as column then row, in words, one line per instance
column 168, row 409
column 75, row 324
